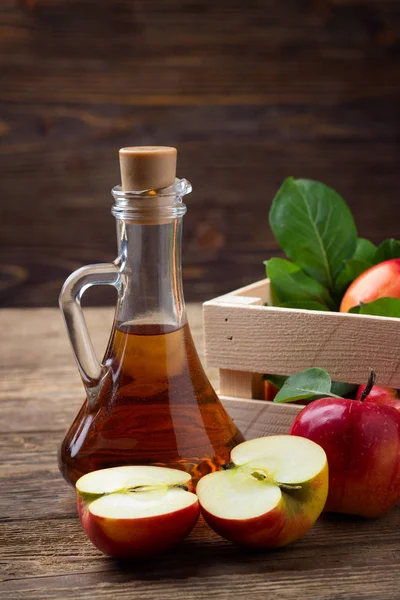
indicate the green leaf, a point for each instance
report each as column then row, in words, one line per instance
column 276, row 380
column 305, row 385
column 387, row 250
column 383, row 307
column 314, row 227
column 342, row 389
column 365, row 251
column 290, row 285
column 352, row 269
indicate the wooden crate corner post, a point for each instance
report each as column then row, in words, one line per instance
column 241, row 384
column 233, row 382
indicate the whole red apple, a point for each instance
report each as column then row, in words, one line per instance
column 381, row 395
column 362, row 443
column 380, row 281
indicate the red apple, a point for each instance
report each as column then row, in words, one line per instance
column 270, row 495
column 136, row 511
column 381, row 395
column 270, row 390
column 380, row 281
column 362, row 443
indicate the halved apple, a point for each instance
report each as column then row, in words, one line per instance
column 136, row 511
column 270, row 495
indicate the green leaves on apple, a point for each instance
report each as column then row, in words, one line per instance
column 387, row 250
column 316, row 230
column 352, row 268
column 286, row 276
column 305, row 385
column 365, row 251
column 383, row 307
column 309, row 385
column 343, row 389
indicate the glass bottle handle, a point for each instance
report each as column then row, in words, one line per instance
column 90, row 369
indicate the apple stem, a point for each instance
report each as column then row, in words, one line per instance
column 369, row 386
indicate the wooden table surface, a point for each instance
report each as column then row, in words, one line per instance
column 45, row 554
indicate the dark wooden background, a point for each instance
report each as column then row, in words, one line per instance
column 250, row 91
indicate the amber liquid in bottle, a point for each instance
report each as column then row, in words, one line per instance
column 156, row 401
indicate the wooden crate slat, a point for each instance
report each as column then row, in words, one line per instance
column 264, row 339
column 258, row 418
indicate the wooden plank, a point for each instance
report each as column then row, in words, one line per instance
column 45, row 554
column 48, row 556
column 264, row 339
column 60, row 563
column 176, row 55
column 257, row 418
column 51, row 348
column 187, row 29
column 249, row 95
column 260, row 123
column 225, row 231
column 129, row 585
column 155, row 87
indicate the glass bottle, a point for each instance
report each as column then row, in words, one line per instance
column 149, row 401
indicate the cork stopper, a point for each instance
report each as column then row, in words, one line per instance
column 147, row 167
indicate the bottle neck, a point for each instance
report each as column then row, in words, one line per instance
column 151, row 274
column 149, row 229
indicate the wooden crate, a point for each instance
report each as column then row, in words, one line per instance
column 244, row 339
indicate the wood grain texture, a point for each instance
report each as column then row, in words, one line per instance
column 259, row 418
column 44, row 552
column 249, row 93
column 265, row 339
column 241, row 384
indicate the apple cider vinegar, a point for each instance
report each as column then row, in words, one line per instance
column 156, row 407
column 149, row 402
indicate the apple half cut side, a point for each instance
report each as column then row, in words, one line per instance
column 136, row 511
column 270, row 495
